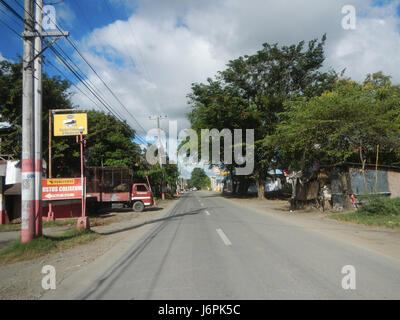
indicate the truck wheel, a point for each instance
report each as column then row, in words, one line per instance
column 138, row 206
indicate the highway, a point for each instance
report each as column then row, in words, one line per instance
column 209, row 248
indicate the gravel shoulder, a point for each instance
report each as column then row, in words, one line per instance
column 22, row 280
column 381, row 240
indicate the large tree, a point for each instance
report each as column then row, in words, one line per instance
column 352, row 122
column 56, row 95
column 109, row 141
column 199, row 179
column 251, row 93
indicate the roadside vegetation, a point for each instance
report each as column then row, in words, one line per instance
column 199, row 179
column 378, row 212
column 304, row 116
column 16, row 226
column 110, row 141
column 40, row 246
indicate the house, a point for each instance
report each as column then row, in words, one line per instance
column 341, row 180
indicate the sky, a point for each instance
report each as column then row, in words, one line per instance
column 149, row 52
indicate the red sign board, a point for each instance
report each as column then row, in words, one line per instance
column 61, row 189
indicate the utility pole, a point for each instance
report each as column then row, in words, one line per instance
column 160, row 150
column 27, row 170
column 38, row 119
column 31, row 223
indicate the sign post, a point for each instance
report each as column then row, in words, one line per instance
column 83, row 222
column 75, row 124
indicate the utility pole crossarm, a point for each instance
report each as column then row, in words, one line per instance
column 40, row 35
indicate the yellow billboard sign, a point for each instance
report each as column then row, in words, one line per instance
column 51, row 182
column 71, row 124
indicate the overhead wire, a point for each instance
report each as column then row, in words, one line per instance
column 95, row 72
column 91, row 88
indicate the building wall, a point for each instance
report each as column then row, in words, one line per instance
column 394, row 184
column 63, row 209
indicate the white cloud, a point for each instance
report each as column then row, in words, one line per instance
column 65, row 14
column 371, row 47
column 151, row 59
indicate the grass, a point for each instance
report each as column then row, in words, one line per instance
column 46, row 224
column 377, row 212
column 18, row 251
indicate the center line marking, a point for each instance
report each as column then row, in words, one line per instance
column 224, row 237
column 207, row 213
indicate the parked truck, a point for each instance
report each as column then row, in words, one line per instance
column 108, row 185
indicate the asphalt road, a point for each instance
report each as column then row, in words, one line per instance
column 209, row 248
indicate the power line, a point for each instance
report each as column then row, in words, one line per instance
column 124, row 44
column 5, row 4
column 75, row 73
column 95, row 72
column 8, row 27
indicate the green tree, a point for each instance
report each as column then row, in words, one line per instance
column 251, row 92
column 109, row 142
column 56, row 94
column 199, row 179
column 347, row 123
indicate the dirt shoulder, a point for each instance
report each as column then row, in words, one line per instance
column 378, row 239
column 22, row 280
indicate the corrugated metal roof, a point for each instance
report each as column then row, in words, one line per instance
column 15, row 190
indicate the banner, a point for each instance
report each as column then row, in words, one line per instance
column 61, row 189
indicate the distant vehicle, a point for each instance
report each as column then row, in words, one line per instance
column 108, row 185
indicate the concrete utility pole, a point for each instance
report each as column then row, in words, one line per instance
column 31, row 179
column 38, row 120
column 160, row 148
column 27, row 171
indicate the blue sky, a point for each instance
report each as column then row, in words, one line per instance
column 151, row 51
column 80, row 18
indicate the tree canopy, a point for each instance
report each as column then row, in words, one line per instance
column 351, row 122
column 110, row 142
column 251, row 92
column 199, row 179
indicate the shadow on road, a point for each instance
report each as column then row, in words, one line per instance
column 171, row 217
column 105, row 281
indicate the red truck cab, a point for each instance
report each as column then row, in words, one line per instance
column 141, row 197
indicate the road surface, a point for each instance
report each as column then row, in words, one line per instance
column 209, row 248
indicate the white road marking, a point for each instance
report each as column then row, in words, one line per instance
column 207, row 213
column 224, row 237
column 202, row 204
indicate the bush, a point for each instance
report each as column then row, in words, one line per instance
column 381, row 206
